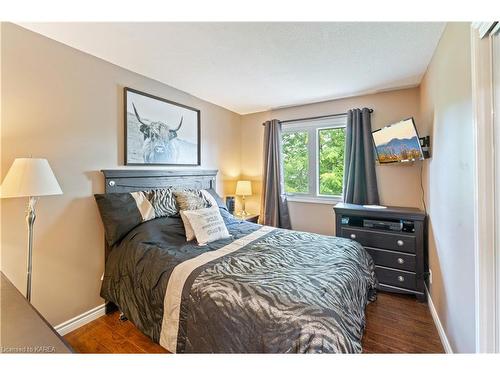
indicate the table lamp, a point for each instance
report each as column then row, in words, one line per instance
column 243, row 188
column 32, row 178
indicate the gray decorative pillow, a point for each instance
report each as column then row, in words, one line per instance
column 163, row 202
column 188, row 200
column 217, row 198
column 121, row 212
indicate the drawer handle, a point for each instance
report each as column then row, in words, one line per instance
column 400, row 243
column 401, row 260
column 401, row 278
column 353, row 236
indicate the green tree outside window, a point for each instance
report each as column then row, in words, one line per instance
column 296, row 162
column 331, row 161
column 331, row 143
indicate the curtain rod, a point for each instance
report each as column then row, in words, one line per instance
column 317, row 117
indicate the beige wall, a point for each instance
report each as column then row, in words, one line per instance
column 399, row 184
column 66, row 106
column 446, row 105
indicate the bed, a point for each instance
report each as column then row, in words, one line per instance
column 264, row 290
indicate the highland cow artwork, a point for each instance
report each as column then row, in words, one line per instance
column 398, row 143
column 159, row 131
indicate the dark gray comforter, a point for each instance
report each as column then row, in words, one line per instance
column 285, row 292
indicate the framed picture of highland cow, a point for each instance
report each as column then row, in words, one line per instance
column 159, row 131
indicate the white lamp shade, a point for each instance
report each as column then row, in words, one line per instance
column 243, row 188
column 28, row 177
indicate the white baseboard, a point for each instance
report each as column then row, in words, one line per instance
column 439, row 326
column 80, row 320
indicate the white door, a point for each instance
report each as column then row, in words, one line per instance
column 486, row 100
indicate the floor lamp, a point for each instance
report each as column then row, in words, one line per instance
column 32, row 178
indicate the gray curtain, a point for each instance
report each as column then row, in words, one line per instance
column 360, row 180
column 274, row 207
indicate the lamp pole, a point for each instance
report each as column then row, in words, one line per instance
column 30, row 219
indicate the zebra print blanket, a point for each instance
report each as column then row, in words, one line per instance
column 267, row 291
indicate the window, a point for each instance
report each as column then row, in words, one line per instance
column 313, row 158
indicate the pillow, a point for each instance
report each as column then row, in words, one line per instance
column 193, row 200
column 207, row 224
column 121, row 212
column 188, row 200
column 210, row 199
column 187, row 227
column 163, row 201
column 218, row 200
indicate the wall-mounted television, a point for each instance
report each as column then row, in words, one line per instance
column 398, row 142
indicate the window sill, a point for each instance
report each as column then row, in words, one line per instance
column 319, row 200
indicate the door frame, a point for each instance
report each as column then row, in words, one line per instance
column 486, row 220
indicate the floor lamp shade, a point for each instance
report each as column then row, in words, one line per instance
column 28, row 177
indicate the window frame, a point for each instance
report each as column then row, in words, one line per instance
column 312, row 127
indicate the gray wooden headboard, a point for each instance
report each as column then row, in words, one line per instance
column 127, row 180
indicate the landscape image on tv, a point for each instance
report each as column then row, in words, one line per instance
column 398, row 142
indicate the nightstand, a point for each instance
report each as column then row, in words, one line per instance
column 253, row 218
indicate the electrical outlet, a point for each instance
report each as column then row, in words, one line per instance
column 430, row 276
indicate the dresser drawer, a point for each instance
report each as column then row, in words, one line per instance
column 401, row 279
column 393, row 259
column 384, row 240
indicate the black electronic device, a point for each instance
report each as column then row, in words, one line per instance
column 383, row 224
column 425, row 144
column 230, row 203
column 392, row 225
column 408, row 226
column 398, row 142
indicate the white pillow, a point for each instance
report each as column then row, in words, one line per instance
column 207, row 224
column 187, row 227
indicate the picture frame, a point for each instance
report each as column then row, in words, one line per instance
column 159, row 131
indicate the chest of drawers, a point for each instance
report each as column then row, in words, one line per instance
column 399, row 254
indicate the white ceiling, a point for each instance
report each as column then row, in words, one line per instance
column 251, row 67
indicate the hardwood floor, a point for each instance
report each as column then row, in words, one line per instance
column 400, row 324
column 108, row 334
column 394, row 324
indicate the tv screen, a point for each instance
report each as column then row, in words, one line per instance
column 398, row 142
